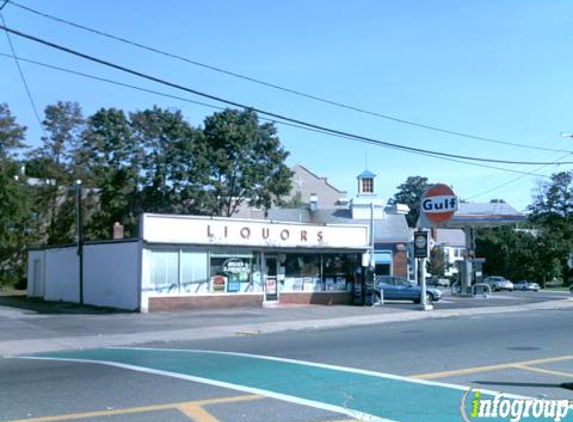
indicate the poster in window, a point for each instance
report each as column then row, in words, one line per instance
column 234, row 283
column 219, row 284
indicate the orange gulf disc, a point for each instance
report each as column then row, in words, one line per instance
column 441, row 216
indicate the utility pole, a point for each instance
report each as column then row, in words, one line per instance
column 80, row 243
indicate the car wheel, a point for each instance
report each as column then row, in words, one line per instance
column 429, row 298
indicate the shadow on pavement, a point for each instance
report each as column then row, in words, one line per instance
column 18, row 300
column 519, row 384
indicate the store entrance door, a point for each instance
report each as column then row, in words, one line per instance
column 271, row 280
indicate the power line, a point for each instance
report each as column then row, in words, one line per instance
column 21, row 72
column 280, row 122
column 276, row 86
column 514, row 180
column 267, row 113
column 4, row 4
column 150, row 91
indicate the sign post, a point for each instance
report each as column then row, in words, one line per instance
column 438, row 205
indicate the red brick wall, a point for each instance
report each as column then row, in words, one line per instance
column 400, row 263
column 318, row 298
column 203, row 302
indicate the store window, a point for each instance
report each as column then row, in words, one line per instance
column 194, row 268
column 319, row 272
column 338, row 270
column 235, row 273
column 165, row 271
column 302, row 273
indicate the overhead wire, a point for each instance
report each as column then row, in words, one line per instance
column 277, row 121
column 361, row 138
column 274, row 85
column 21, row 72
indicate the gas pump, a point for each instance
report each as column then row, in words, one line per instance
column 358, row 290
column 369, row 295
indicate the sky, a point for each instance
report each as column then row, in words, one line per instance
column 490, row 69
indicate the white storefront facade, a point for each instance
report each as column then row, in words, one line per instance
column 182, row 262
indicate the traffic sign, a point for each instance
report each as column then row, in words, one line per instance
column 421, row 244
column 439, row 204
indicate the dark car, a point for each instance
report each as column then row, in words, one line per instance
column 398, row 288
column 526, row 285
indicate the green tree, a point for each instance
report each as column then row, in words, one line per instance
column 106, row 156
column 14, row 206
column 246, row 163
column 552, row 213
column 438, row 263
column 512, row 253
column 410, row 193
column 172, row 168
column 11, row 134
column 54, row 162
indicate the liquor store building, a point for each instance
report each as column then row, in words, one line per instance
column 180, row 262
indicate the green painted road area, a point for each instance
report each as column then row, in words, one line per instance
column 362, row 395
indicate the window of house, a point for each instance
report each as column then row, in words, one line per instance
column 367, row 185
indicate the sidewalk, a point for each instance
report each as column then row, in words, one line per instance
column 34, row 328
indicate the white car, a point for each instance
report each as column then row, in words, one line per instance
column 498, row 283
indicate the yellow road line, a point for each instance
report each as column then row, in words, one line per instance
column 488, row 368
column 197, row 413
column 545, row 371
column 232, row 399
column 141, row 409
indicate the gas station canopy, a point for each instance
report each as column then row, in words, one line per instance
column 477, row 215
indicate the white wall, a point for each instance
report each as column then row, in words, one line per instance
column 111, row 275
column 61, row 275
column 36, row 273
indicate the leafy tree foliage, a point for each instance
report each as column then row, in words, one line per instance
column 510, row 253
column 14, row 204
column 552, row 213
column 145, row 161
column 54, row 162
column 410, row 193
column 107, row 156
column 11, row 134
column 246, row 163
column 438, row 264
column 171, row 163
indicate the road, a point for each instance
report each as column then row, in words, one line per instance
column 336, row 374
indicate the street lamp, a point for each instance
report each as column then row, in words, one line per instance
column 78, row 185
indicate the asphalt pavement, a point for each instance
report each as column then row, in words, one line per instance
column 31, row 326
column 281, row 364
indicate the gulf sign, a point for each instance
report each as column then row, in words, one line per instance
column 439, row 204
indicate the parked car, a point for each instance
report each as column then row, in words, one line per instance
column 571, row 289
column 398, row 288
column 526, row 285
column 498, row 283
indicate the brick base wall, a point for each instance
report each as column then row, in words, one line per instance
column 204, row 302
column 400, row 264
column 317, row 298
